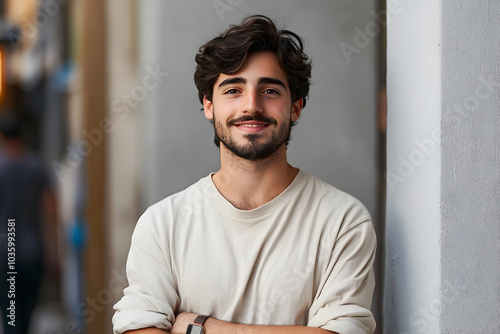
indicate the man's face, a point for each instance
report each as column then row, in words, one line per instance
column 252, row 110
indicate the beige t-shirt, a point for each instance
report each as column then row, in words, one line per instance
column 304, row 258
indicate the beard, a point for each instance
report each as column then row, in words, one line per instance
column 254, row 150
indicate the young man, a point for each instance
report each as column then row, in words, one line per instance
column 259, row 246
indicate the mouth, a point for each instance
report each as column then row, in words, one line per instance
column 251, row 126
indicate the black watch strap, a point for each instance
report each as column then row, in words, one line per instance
column 197, row 326
column 200, row 319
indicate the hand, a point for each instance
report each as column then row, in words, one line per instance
column 182, row 320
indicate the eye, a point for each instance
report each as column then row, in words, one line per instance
column 271, row 91
column 231, row 91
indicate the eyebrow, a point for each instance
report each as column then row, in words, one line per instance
column 272, row 81
column 232, row 81
column 262, row 80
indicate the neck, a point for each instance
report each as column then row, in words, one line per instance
column 250, row 184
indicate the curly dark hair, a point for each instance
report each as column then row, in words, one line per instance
column 229, row 52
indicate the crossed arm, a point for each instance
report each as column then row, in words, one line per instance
column 222, row 327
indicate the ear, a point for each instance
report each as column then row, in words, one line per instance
column 208, row 108
column 297, row 109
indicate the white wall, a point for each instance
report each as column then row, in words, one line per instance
column 413, row 177
column 336, row 136
column 443, row 225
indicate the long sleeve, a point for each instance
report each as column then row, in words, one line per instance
column 151, row 297
column 342, row 303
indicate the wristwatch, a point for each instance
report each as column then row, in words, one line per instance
column 197, row 326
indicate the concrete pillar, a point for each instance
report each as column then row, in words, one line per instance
column 443, row 170
column 413, row 175
column 123, row 86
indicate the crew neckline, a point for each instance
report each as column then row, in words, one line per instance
column 227, row 208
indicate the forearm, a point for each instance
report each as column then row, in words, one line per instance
column 215, row 326
column 222, row 327
column 147, row 331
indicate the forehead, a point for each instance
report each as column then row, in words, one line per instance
column 259, row 65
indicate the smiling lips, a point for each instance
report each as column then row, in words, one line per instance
column 251, row 126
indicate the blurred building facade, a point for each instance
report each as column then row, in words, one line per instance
column 35, row 63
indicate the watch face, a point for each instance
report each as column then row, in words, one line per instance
column 194, row 329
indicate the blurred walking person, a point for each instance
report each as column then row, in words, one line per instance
column 26, row 201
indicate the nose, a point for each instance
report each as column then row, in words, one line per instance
column 252, row 102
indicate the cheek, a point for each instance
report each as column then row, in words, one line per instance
column 277, row 106
column 282, row 111
column 224, row 109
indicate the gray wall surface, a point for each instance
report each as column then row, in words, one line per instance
column 335, row 139
column 470, row 181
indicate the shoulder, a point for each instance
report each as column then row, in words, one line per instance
column 169, row 207
column 187, row 195
column 335, row 203
column 327, row 193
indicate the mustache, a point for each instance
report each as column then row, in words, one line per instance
column 257, row 118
